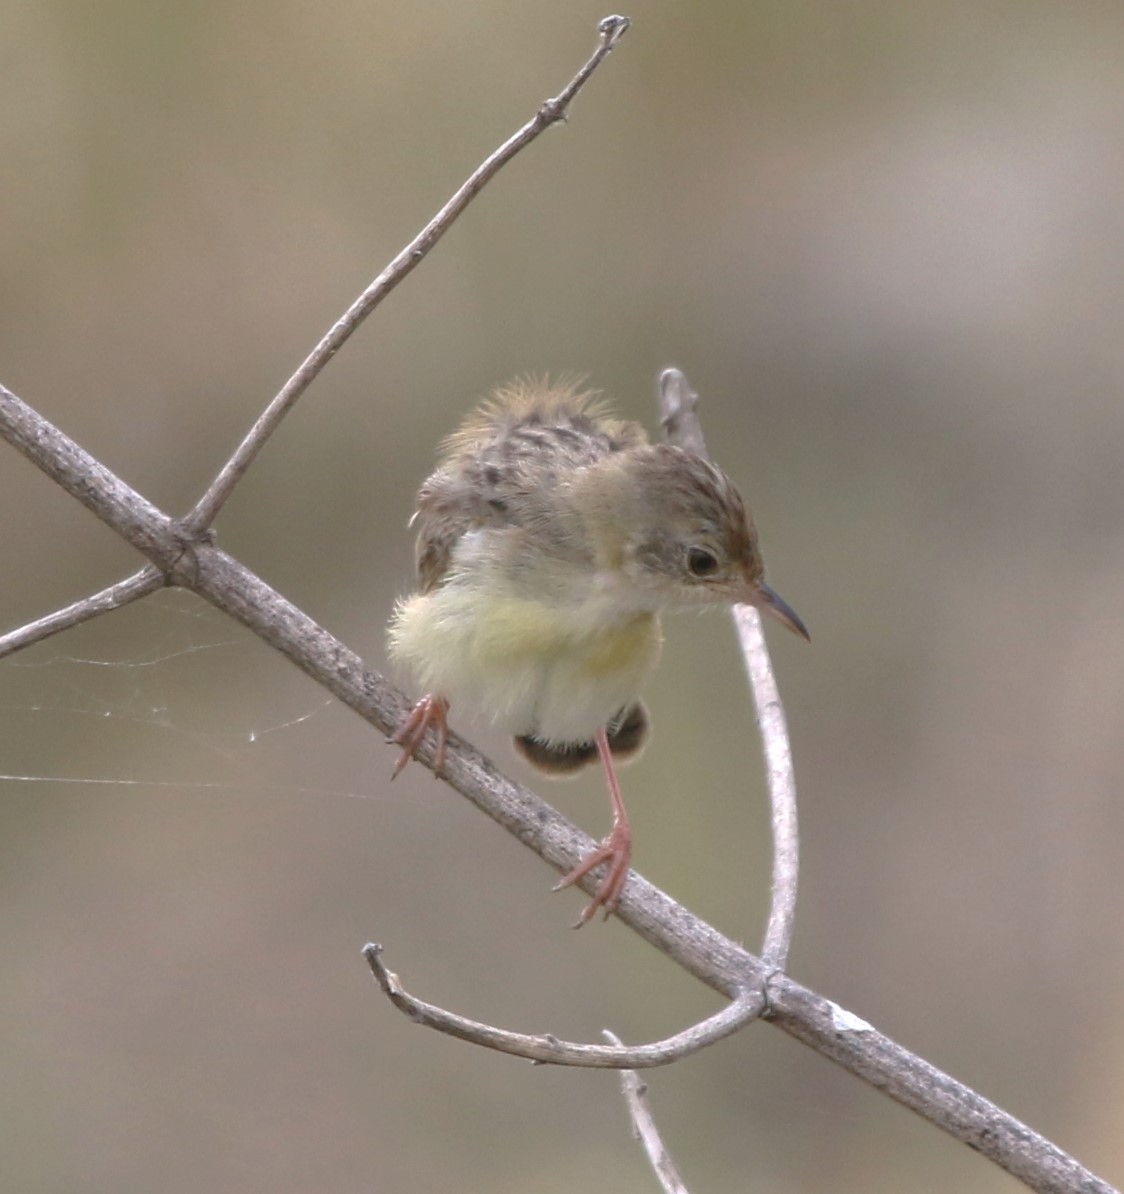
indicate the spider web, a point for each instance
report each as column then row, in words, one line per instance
column 164, row 694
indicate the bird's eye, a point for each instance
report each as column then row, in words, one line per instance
column 701, row 562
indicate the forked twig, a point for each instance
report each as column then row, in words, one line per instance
column 611, row 30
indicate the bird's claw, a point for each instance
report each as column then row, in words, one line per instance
column 430, row 711
column 616, row 850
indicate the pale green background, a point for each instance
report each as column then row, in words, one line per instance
column 886, row 241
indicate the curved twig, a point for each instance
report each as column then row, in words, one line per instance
column 782, row 786
column 680, row 421
column 611, row 30
column 547, row 1049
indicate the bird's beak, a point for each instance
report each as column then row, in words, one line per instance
column 769, row 602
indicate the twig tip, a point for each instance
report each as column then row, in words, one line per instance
column 372, row 951
column 613, row 28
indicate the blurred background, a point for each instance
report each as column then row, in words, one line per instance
column 886, row 242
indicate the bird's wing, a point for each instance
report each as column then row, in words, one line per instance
column 448, row 508
column 507, row 466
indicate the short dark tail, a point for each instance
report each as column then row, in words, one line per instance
column 628, row 732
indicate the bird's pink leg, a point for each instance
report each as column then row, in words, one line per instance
column 429, row 711
column 616, row 849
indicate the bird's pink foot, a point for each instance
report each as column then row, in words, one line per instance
column 430, row 711
column 616, row 850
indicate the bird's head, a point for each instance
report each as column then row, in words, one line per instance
column 676, row 527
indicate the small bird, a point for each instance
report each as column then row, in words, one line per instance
column 550, row 539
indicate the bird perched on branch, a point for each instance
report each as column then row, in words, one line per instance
column 550, row 539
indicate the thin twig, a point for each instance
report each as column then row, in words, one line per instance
column 610, row 30
column 547, row 1049
column 700, row 949
column 644, row 1128
column 782, row 786
column 680, row 421
column 140, row 584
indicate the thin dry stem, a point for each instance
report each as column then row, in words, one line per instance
column 547, row 1049
column 680, row 421
column 140, row 584
column 644, row 1128
column 610, row 31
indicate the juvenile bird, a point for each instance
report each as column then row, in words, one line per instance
column 550, row 539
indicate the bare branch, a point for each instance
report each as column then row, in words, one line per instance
column 680, row 421
column 140, row 584
column 133, row 517
column 644, row 1128
column 547, row 1049
column 611, row 30
column 700, row 949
